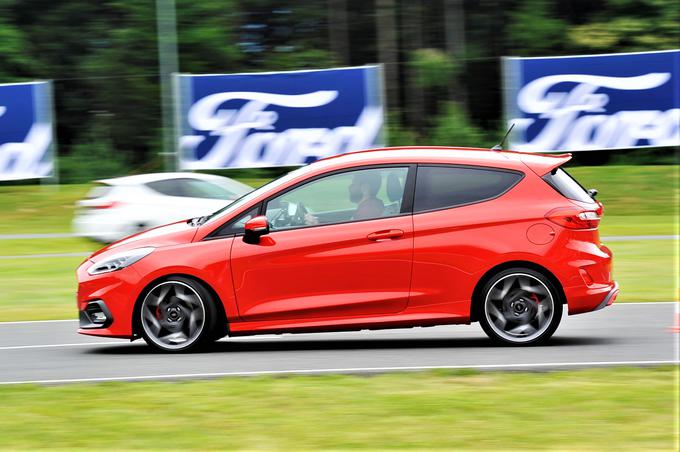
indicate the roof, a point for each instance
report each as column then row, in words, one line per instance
column 539, row 163
column 152, row 177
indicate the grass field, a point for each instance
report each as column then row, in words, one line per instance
column 639, row 200
column 647, row 193
column 605, row 409
column 633, row 190
column 44, row 209
column 644, row 269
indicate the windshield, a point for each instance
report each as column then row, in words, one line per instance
column 245, row 199
column 236, row 189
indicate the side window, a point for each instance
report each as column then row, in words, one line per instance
column 237, row 225
column 168, row 187
column 439, row 187
column 190, row 188
column 196, row 188
column 567, row 186
column 350, row 196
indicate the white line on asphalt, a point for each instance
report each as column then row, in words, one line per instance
column 121, row 342
column 78, row 344
column 19, row 322
column 55, row 235
column 46, row 256
column 641, row 303
column 627, row 303
column 633, row 238
column 343, row 370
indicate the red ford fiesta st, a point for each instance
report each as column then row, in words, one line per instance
column 388, row 238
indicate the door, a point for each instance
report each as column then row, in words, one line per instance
column 461, row 226
column 339, row 245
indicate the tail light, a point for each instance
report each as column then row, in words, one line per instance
column 105, row 205
column 600, row 208
column 574, row 218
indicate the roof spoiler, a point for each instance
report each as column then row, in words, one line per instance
column 542, row 164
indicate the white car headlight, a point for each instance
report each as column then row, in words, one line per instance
column 119, row 261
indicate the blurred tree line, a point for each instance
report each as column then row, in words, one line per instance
column 441, row 58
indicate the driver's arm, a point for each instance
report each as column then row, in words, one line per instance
column 311, row 220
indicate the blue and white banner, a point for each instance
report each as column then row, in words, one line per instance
column 26, row 131
column 277, row 119
column 591, row 102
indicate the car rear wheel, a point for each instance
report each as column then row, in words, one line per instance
column 177, row 314
column 520, row 307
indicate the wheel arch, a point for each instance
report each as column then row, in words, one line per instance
column 477, row 292
column 136, row 326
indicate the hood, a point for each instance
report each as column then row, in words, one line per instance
column 170, row 234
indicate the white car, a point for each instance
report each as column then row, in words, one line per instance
column 116, row 208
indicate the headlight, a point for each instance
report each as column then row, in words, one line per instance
column 119, row 261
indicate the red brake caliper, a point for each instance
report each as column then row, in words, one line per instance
column 535, row 298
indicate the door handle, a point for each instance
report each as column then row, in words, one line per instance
column 389, row 234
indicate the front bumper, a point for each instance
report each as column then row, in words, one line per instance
column 95, row 315
column 106, row 302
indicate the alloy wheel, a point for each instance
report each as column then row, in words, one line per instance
column 173, row 315
column 519, row 307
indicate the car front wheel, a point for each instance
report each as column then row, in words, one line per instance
column 177, row 314
column 520, row 307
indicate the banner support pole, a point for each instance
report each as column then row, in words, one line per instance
column 168, row 64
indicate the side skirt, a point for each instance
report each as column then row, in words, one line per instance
column 344, row 324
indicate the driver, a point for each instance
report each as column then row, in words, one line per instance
column 363, row 192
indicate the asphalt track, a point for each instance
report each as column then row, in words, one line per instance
column 51, row 352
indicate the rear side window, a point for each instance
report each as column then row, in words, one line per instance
column 170, row 187
column 191, row 188
column 566, row 185
column 440, row 187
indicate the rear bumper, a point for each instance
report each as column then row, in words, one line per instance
column 588, row 283
column 99, row 227
column 609, row 299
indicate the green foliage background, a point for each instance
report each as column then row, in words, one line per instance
column 103, row 59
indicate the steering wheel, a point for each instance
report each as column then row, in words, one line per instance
column 283, row 219
column 299, row 217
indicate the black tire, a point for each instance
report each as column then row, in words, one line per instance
column 176, row 313
column 528, row 307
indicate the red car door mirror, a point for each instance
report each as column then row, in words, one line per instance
column 255, row 228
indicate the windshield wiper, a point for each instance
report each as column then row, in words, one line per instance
column 198, row 221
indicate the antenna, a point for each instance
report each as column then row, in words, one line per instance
column 499, row 146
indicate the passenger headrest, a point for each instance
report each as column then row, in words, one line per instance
column 394, row 189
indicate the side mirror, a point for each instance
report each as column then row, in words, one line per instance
column 255, row 228
column 592, row 192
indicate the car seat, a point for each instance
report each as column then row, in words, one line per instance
column 395, row 192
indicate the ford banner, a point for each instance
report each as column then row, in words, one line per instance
column 276, row 119
column 26, row 131
column 592, row 102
